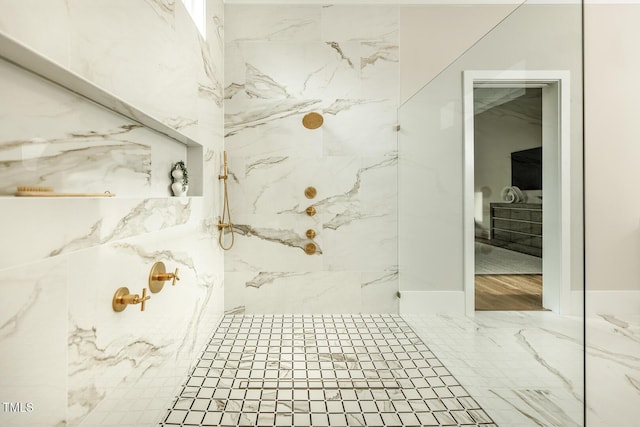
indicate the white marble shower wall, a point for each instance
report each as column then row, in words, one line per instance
column 63, row 350
column 282, row 62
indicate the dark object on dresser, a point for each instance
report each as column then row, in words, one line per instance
column 517, row 226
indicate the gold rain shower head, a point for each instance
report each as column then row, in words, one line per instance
column 312, row 120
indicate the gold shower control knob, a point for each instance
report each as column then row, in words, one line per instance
column 310, row 248
column 311, row 211
column 159, row 275
column 311, row 233
column 122, row 298
column 310, row 192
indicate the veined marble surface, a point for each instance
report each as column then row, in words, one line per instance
column 523, row 368
column 54, row 227
column 613, row 366
column 526, row 368
column 156, row 343
column 52, row 137
column 282, row 62
column 33, row 342
column 62, row 347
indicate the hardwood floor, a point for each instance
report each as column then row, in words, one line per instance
column 509, row 292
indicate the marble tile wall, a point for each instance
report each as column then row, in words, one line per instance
column 282, row 62
column 63, row 350
column 53, row 137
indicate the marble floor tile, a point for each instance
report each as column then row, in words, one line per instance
column 613, row 370
column 321, row 370
column 522, row 368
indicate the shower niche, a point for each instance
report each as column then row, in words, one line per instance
column 65, row 133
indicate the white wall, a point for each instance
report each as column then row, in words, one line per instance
column 612, row 150
column 430, row 148
column 423, row 29
column 612, row 66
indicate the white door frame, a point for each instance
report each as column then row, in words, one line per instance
column 557, row 266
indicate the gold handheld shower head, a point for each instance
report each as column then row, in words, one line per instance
column 224, row 167
column 224, row 222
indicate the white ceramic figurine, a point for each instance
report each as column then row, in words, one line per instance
column 180, row 179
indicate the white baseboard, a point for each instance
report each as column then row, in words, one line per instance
column 576, row 304
column 432, row 302
column 612, row 302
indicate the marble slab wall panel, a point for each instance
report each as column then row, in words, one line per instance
column 311, row 292
column 366, row 23
column 280, row 63
column 155, row 63
column 273, row 243
column 152, row 65
column 293, row 23
column 269, row 128
column 379, row 291
column 110, row 352
column 118, row 370
column 51, row 137
column 210, row 129
column 59, row 226
column 44, row 26
column 33, row 343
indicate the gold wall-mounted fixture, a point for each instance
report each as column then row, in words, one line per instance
column 312, row 120
column 310, row 248
column 159, row 275
column 310, row 192
column 122, row 298
column 311, row 211
column 225, row 173
column 226, row 210
column 311, row 233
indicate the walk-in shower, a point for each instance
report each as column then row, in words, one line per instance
column 378, row 328
column 344, row 192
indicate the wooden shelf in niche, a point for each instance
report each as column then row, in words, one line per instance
column 29, row 60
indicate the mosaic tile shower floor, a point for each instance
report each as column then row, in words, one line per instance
column 321, row 370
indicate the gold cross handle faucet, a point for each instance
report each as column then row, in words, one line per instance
column 167, row 276
column 159, row 275
column 122, row 298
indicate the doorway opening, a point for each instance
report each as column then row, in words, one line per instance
column 508, row 198
column 506, row 232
